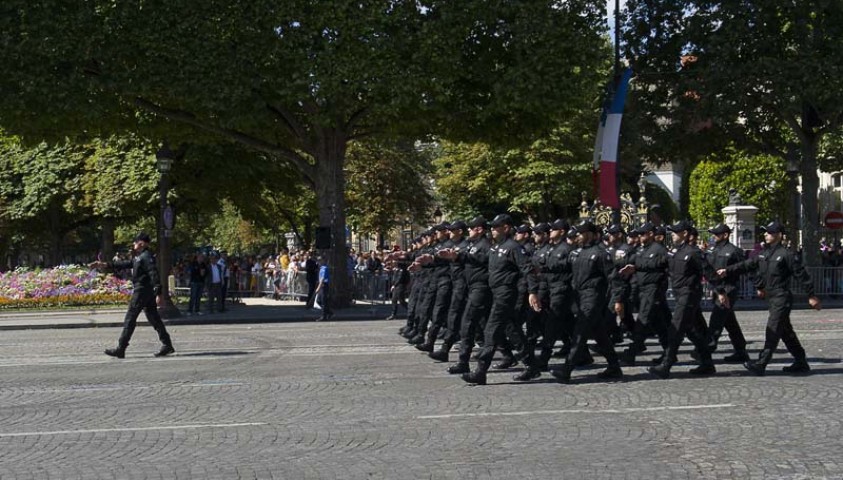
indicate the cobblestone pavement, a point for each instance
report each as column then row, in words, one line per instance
column 350, row 400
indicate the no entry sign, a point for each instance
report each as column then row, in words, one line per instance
column 834, row 220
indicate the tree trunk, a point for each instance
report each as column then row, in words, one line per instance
column 330, row 197
column 107, row 247
column 810, row 206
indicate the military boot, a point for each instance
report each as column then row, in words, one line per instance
column 613, row 372
column 458, row 368
column 441, row 354
column 165, row 350
column 508, row 361
column 119, row 352
column 739, row 356
column 529, row 373
column 478, row 376
column 799, row 366
column 758, row 367
column 417, row 340
column 426, row 346
column 563, row 374
column 661, row 370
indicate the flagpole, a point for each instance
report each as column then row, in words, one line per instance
column 616, row 212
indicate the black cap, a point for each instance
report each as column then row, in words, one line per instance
column 720, row 228
column 660, row 230
column 572, row 233
column 458, row 225
column 693, row 231
column 142, row 237
column 560, row 224
column 523, row 228
column 586, row 226
column 681, row 225
column 614, row 229
column 478, row 221
column 441, row 227
column 502, row 219
column 646, row 228
column 542, row 227
column 773, row 227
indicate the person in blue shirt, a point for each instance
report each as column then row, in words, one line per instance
column 323, row 291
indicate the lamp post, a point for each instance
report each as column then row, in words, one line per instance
column 166, row 220
column 792, row 167
column 437, row 215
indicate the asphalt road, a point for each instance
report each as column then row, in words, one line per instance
column 350, row 400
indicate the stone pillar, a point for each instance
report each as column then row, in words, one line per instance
column 741, row 219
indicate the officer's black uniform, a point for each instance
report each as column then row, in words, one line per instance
column 427, row 298
column 508, row 262
column 475, row 260
column 458, row 294
column 400, row 280
column 720, row 256
column 650, row 263
column 441, row 282
column 146, row 287
column 590, row 267
column 686, row 271
column 619, row 286
column 776, row 267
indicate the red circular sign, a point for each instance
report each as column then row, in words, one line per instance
column 834, row 220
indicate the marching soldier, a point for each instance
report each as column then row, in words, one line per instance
column 439, row 286
column 723, row 254
column 590, row 266
column 777, row 267
column 458, row 290
column 508, row 262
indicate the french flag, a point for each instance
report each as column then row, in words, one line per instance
column 606, row 144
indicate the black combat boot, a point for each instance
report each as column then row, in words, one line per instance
column 758, row 367
column 417, row 340
column 478, row 376
column 543, row 360
column 508, row 361
column 661, row 370
column 739, row 356
column 425, row 347
column 165, row 350
column 409, row 333
column 119, row 352
column 613, row 372
column 563, row 373
column 799, row 366
column 459, row 368
column 441, row 354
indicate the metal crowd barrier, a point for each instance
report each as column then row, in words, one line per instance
column 282, row 285
column 374, row 288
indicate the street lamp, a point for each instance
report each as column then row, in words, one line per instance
column 437, row 215
column 792, row 168
column 166, row 220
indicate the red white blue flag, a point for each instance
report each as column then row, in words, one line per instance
column 606, row 144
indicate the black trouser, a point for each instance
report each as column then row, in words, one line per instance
column 142, row 301
column 780, row 328
column 425, row 313
column 399, row 293
column 501, row 316
column 311, row 292
column 473, row 319
column 685, row 319
column 591, row 323
column 223, row 292
column 441, row 305
column 725, row 317
column 325, row 300
column 413, row 303
column 459, row 294
column 650, row 313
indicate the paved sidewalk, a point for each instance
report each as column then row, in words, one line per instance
column 252, row 310
column 256, row 310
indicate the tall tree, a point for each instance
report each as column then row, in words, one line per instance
column 297, row 79
column 765, row 74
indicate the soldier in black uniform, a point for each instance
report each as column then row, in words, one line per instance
column 439, row 287
column 777, row 267
column 146, row 288
column 649, row 264
column 419, row 285
column 619, row 286
column 686, row 270
column 458, row 290
column 424, row 312
column 722, row 254
column 507, row 263
column 590, row 267
column 474, row 259
column 538, row 289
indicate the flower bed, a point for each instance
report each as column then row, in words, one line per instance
column 66, row 285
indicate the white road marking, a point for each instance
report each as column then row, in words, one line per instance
column 555, row 412
column 136, row 429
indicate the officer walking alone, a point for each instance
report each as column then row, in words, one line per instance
column 147, row 288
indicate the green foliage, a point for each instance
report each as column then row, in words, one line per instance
column 387, row 184
column 760, row 180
